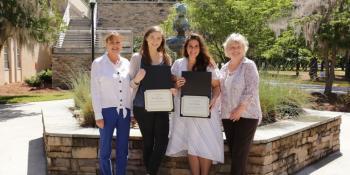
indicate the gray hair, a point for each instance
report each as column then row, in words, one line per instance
column 236, row 37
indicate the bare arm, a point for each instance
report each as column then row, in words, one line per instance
column 216, row 92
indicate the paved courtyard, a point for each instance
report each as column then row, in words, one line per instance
column 22, row 152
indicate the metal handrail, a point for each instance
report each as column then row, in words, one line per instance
column 66, row 20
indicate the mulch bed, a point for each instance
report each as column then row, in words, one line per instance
column 331, row 102
column 23, row 89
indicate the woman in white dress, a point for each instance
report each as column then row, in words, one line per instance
column 198, row 138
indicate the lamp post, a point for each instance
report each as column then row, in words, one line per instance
column 92, row 8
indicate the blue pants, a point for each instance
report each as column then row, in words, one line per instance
column 113, row 118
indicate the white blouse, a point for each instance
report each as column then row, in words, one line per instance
column 110, row 85
column 241, row 85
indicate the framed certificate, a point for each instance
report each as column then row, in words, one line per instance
column 157, row 83
column 196, row 94
column 158, row 100
column 195, row 106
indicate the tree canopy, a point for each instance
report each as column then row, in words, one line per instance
column 217, row 19
column 326, row 28
column 29, row 20
column 309, row 28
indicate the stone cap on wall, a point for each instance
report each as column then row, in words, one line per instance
column 285, row 128
column 58, row 120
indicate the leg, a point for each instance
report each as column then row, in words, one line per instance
column 161, row 132
column 229, row 130
column 241, row 144
column 146, row 124
column 247, row 128
column 205, row 165
column 123, row 130
column 106, row 135
column 194, row 164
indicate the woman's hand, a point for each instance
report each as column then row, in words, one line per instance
column 139, row 76
column 100, row 123
column 180, row 82
column 173, row 91
column 237, row 113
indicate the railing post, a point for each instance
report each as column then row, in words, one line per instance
column 92, row 7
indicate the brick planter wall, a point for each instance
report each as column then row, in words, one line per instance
column 78, row 154
column 289, row 154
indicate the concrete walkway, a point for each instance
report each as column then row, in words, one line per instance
column 22, row 151
column 313, row 87
column 21, row 135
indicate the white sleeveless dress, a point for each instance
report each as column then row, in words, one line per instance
column 195, row 136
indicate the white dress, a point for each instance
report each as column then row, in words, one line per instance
column 195, row 136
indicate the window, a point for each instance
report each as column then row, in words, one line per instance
column 18, row 57
column 6, row 57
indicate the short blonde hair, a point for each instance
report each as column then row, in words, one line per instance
column 236, row 37
column 112, row 35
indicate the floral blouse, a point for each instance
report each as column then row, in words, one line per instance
column 241, row 85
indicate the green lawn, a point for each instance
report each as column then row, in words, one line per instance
column 35, row 97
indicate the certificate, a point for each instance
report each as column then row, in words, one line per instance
column 195, row 106
column 157, row 83
column 158, row 100
column 195, row 94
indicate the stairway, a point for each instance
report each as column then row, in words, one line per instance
column 77, row 39
column 79, row 24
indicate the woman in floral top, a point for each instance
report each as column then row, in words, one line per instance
column 240, row 108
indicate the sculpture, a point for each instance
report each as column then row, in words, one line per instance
column 180, row 25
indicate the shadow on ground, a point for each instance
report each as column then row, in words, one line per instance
column 319, row 164
column 8, row 112
column 36, row 157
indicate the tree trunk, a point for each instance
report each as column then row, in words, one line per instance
column 347, row 65
column 297, row 66
column 313, row 68
column 329, row 65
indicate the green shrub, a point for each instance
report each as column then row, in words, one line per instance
column 33, row 81
column 40, row 79
column 80, row 85
column 279, row 100
column 45, row 76
column 137, row 42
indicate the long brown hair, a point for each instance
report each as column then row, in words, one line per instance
column 203, row 59
column 144, row 50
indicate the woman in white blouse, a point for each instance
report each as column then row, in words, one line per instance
column 111, row 100
column 200, row 139
column 240, row 106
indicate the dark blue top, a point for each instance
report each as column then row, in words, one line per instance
column 139, row 99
